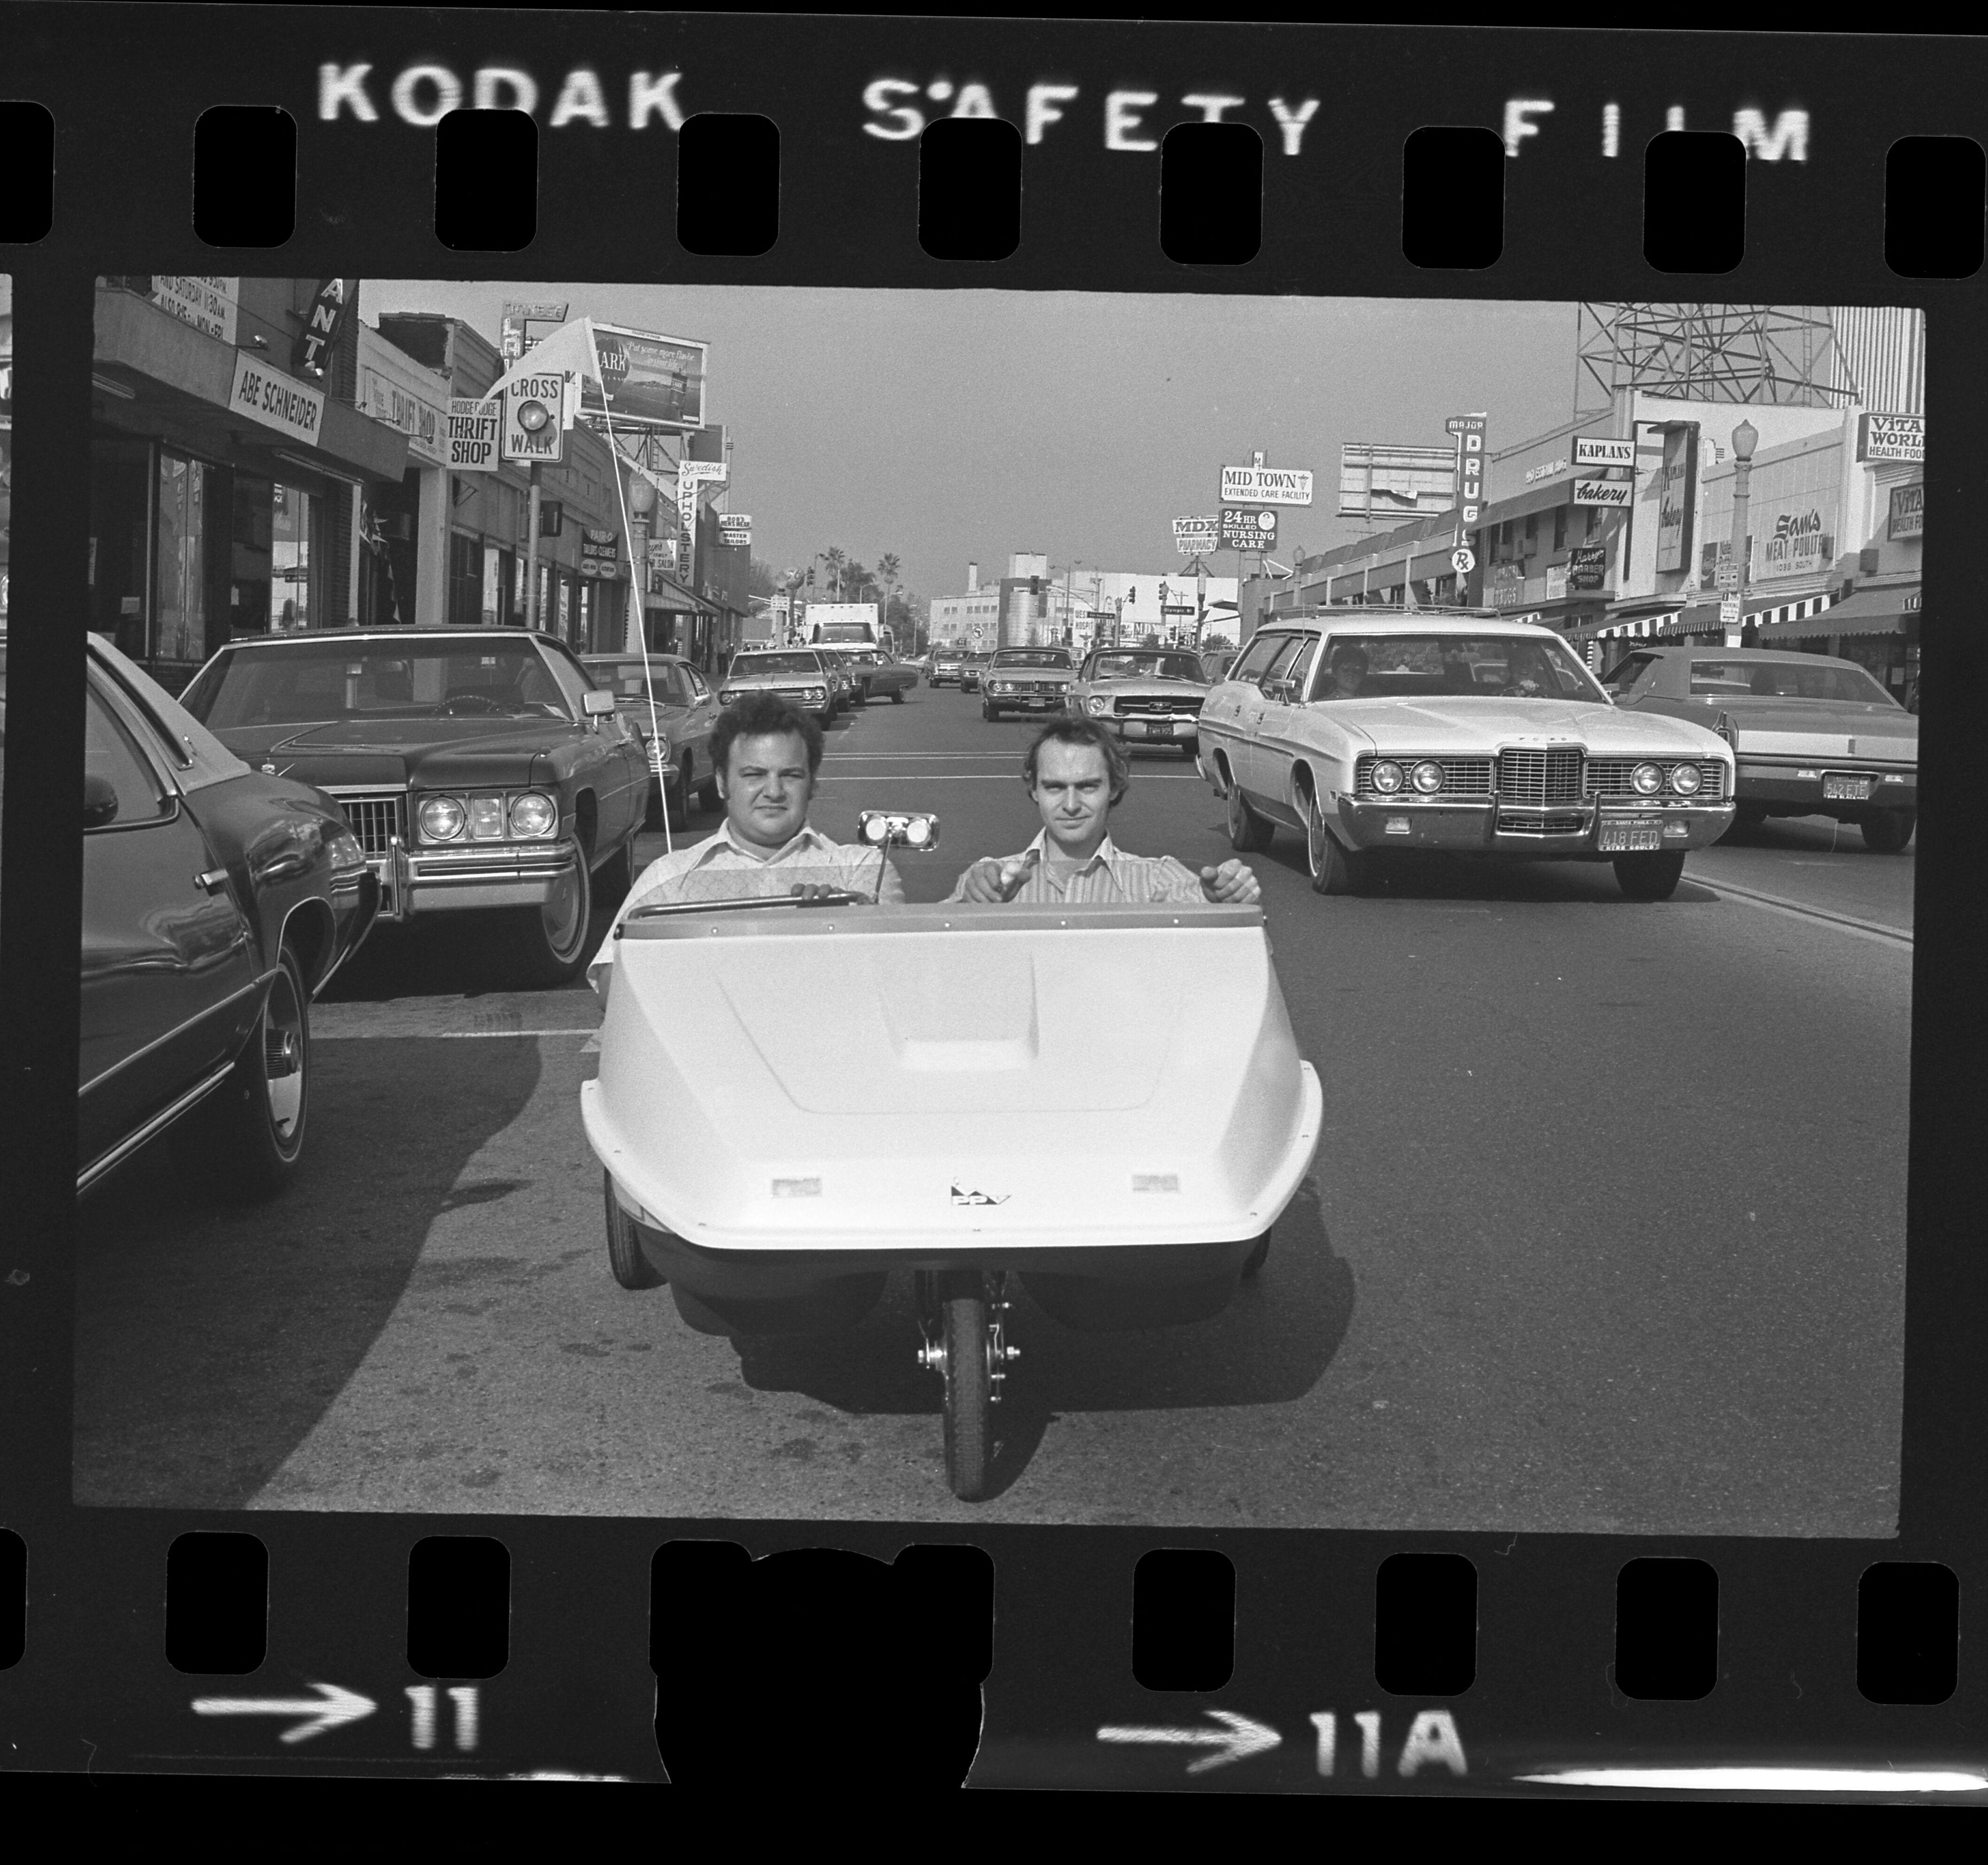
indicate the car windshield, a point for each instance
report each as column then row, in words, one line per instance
column 305, row 682
column 801, row 661
column 1031, row 657
column 1429, row 666
column 625, row 679
column 1148, row 666
column 1786, row 680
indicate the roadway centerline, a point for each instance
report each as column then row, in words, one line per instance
column 1774, row 903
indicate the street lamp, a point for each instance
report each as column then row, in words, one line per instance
column 642, row 503
column 1746, row 437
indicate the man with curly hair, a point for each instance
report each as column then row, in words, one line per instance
column 767, row 754
column 1077, row 773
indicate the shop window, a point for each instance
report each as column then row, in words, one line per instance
column 465, row 580
column 179, row 626
column 1560, row 528
column 293, row 523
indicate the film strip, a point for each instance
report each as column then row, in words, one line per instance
column 1599, row 1417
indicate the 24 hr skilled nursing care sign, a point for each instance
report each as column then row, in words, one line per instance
column 277, row 401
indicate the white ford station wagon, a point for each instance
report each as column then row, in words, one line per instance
column 1369, row 729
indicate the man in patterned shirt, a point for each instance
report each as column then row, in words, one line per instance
column 1077, row 772
column 767, row 754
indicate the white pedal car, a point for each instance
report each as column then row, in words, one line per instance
column 1105, row 1100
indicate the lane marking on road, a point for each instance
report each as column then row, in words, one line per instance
column 1774, row 903
column 352, row 1036
column 985, row 777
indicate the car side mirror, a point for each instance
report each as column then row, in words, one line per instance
column 99, row 800
column 598, row 705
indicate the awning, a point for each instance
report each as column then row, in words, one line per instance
column 673, row 597
column 1884, row 611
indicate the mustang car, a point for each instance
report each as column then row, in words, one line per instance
column 217, row 900
column 798, row 675
column 1813, row 735
column 670, row 708
column 883, row 675
column 1026, row 680
column 482, row 769
column 1146, row 695
column 1369, row 731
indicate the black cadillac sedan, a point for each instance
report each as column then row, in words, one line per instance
column 218, row 901
column 482, row 770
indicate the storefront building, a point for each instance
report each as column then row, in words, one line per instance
column 229, row 464
column 459, row 539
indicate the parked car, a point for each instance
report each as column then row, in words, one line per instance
column 1146, row 695
column 671, row 706
column 800, row 676
column 1813, row 735
column 1367, row 730
column 482, row 769
column 946, row 663
column 971, row 668
column 883, row 676
column 1215, row 663
column 1026, row 679
column 854, row 667
column 217, row 900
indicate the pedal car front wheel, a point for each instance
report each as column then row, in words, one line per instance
column 969, row 1394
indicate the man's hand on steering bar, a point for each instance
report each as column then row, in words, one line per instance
column 1232, row 884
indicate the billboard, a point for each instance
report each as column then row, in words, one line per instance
column 1890, row 437
column 1677, row 486
column 652, row 381
column 1194, row 535
column 1245, row 527
column 1266, row 486
column 1381, row 483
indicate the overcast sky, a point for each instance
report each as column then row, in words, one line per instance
column 946, row 426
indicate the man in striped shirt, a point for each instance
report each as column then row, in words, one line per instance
column 1077, row 771
column 767, row 755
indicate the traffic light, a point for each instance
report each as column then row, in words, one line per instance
column 810, row 580
column 1035, row 586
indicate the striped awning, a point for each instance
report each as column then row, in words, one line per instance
column 1884, row 611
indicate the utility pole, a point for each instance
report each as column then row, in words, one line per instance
column 532, row 550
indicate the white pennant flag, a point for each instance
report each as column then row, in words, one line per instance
column 569, row 351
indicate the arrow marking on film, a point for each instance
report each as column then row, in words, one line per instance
column 1241, row 1738
column 330, row 1709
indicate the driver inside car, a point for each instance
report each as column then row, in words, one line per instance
column 1077, row 773
column 767, row 755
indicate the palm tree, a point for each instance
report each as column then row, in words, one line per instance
column 835, row 557
column 886, row 571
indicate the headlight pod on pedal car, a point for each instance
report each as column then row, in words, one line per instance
column 529, row 817
column 1388, row 777
column 1647, row 779
column 1685, row 779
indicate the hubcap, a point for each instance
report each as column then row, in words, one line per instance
column 282, row 1058
column 562, row 910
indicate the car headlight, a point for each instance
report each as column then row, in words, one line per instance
column 533, row 816
column 441, row 818
column 815, row 695
column 728, row 695
column 1685, row 779
column 1387, row 776
column 1100, row 703
column 486, row 818
column 1426, row 777
column 1647, row 779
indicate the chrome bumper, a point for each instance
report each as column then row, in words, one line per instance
column 468, row 879
column 1521, row 829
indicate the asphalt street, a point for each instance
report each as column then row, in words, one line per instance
column 1606, row 1232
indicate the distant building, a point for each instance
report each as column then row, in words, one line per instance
column 1076, row 607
